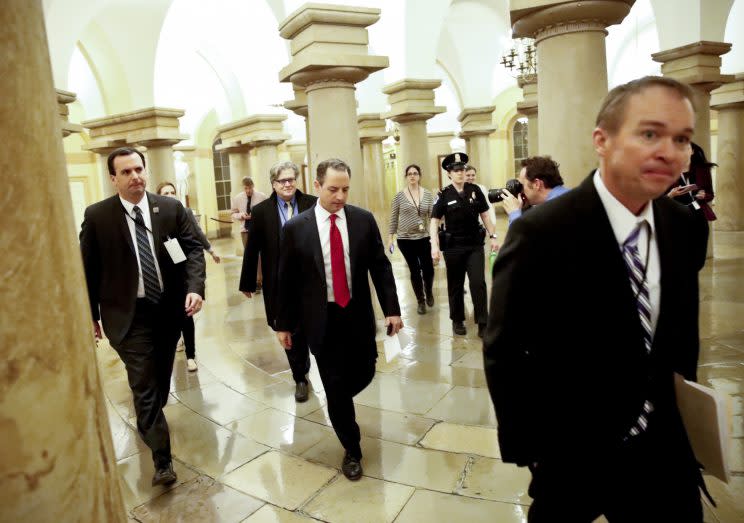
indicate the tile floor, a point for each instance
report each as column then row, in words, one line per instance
column 246, row 452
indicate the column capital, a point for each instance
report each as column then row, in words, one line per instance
column 298, row 104
column 697, row 64
column 730, row 95
column 372, row 128
column 476, row 121
column 327, row 36
column 528, row 105
column 137, row 127
column 412, row 99
column 255, row 131
column 63, row 99
column 341, row 76
column 541, row 19
column 158, row 142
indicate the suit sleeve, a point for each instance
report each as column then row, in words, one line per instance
column 287, row 315
column 195, row 266
column 91, row 262
column 252, row 250
column 508, row 359
column 198, row 233
column 382, row 272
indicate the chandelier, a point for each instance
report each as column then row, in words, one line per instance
column 521, row 58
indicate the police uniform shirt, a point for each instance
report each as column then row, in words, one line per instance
column 461, row 210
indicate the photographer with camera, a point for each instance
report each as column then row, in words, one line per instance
column 539, row 181
column 461, row 204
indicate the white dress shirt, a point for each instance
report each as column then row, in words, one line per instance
column 623, row 223
column 145, row 208
column 323, row 219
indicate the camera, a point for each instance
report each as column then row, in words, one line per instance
column 514, row 186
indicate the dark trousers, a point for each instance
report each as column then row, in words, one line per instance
column 648, row 479
column 189, row 340
column 299, row 357
column 346, row 366
column 460, row 261
column 148, row 351
column 418, row 257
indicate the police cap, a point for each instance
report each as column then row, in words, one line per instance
column 454, row 160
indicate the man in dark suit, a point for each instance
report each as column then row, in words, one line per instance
column 139, row 286
column 327, row 255
column 266, row 225
column 580, row 351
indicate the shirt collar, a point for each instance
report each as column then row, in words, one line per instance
column 621, row 219
column 292, row 202
column 129, row 206
column 324, row 215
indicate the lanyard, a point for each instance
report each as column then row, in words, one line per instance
column 283, row 211
column 418, row 206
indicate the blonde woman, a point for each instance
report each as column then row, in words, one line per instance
column 409, row 221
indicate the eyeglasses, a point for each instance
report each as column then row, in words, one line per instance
column 286, row 181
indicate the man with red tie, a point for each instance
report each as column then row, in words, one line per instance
column 327, row 253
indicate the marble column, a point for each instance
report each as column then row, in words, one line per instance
column 528, row 107
column 64, row 98
column 477, row 125
column 298, row 105
column 160, row 161
column 57, row 461
column 572, row 67
column 372, row 131
column 411, row 105
column 156, row 128
column 329, row 56
column 699, row 65
column 728, row 100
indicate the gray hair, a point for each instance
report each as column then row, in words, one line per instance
column 279, row 167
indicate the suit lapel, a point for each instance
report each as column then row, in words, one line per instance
column 273, row 223
column 120, row 219
column 155, row 222
column 313, row 236
column 351, row 222
column 666, row 267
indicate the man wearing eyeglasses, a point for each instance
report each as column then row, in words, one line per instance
column 265, row 229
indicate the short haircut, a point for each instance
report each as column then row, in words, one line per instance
column 247, row 181
column 331, row 163
column 163, row 184
column 544, row 168
column 412, row 166
column 279, row 167
column 122, row 151
column 612, row 111
column 469, row 167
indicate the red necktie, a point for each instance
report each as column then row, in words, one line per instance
column 338, row 267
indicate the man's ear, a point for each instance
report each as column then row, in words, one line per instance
column 317, row 186
column 599, row 138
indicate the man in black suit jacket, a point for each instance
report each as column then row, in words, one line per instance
column 265, row 230
column 579, row 356
column 327, row 255
column 141, row 292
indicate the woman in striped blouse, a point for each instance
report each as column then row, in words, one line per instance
column 409, row 220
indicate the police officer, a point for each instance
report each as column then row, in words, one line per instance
column 461, row 204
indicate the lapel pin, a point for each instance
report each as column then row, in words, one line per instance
column 156, row 210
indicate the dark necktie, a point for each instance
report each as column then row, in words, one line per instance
column 639, row 286
column 147, row 261
column 338, row 266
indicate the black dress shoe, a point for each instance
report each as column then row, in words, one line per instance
column 351, row 467
column 481, row 330
column 421, row 307
column 301, row 392
column 429, row 300
column 458, row 327
column 164, row 475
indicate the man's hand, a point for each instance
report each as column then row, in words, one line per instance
column 700, row 195
column 247, row 294
column 494, row 245
column 245, row 216
column 215, row 257
column 285, row 339
column 510, row 202
column 193, row 303
column 393, row 324
column 97, row 330
column 436, row 254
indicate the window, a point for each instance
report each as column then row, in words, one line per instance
column 221, row 161
column 519, row 139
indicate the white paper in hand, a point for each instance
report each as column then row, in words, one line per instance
column 394, row 345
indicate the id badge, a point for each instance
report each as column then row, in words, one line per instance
column 175, row 251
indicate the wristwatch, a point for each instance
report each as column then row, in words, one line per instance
column 493, row 236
